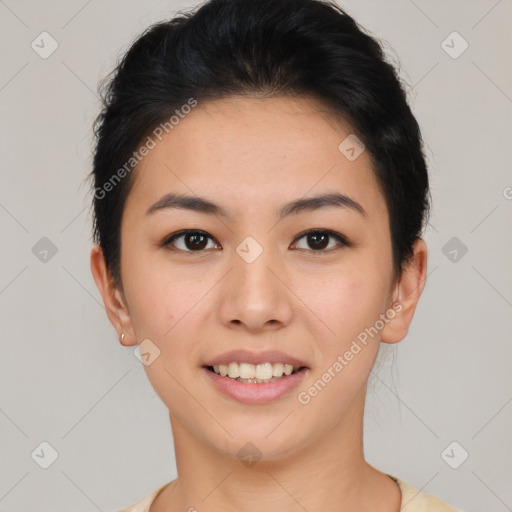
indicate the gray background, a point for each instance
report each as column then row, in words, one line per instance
column 66, row 380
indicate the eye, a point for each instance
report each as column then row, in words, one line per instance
column 190, row 241
column 318, row 240
column 193, row 240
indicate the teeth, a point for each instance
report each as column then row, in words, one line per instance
column 244, row 372
column 233, row 370
column 277, row 369
column 264, row 371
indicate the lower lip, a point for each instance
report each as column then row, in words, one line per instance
column 254, row 393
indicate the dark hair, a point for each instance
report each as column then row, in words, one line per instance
column 267, row 47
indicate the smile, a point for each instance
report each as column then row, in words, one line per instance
column 254, row 373
column 256, row 391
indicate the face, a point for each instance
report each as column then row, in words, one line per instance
column 296, row 285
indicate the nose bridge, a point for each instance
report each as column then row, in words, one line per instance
column 253, row 262
column 254, row 295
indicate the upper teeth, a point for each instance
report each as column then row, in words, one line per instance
column 253, row 371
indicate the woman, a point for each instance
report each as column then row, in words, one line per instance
column 260, row 192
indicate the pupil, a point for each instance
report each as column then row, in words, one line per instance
column 317, row 241
column 315, row 237
column 196, row 238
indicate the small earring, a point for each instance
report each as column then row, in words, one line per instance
column 122, row 337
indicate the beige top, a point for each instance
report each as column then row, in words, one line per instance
column 412, row 501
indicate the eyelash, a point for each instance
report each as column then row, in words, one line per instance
column 167, row 243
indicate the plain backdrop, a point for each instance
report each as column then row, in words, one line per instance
column 439, row 408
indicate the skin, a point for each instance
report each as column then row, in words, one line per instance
column 251, row 155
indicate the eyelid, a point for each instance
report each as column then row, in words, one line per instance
column 169, row 239
column 342, row 239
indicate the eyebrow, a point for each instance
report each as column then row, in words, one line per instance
column 202, row 205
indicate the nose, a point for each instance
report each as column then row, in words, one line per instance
column 255, row 296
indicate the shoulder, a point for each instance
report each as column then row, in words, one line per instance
column 415, row 501
column 412, row 500
column 144, row 504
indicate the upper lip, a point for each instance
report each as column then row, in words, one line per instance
column 245, row 356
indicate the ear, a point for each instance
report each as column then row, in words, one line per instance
column 407, row 294
column 113, row 298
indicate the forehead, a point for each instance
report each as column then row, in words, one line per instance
column 267, row 127
column 257, row 150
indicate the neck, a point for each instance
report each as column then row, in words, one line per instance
column 329, row 474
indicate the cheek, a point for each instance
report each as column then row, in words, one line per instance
column 170, row 308
column 346, row 302
column 154, row 298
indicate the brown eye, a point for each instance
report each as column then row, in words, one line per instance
column 319, row 240
column 189, row 241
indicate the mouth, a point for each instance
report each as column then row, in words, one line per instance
column 248, row 373
column 255, row 378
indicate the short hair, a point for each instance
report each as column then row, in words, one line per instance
column 227, row 48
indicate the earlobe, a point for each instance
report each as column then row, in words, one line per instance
column 407, row 294
column 116, row 309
